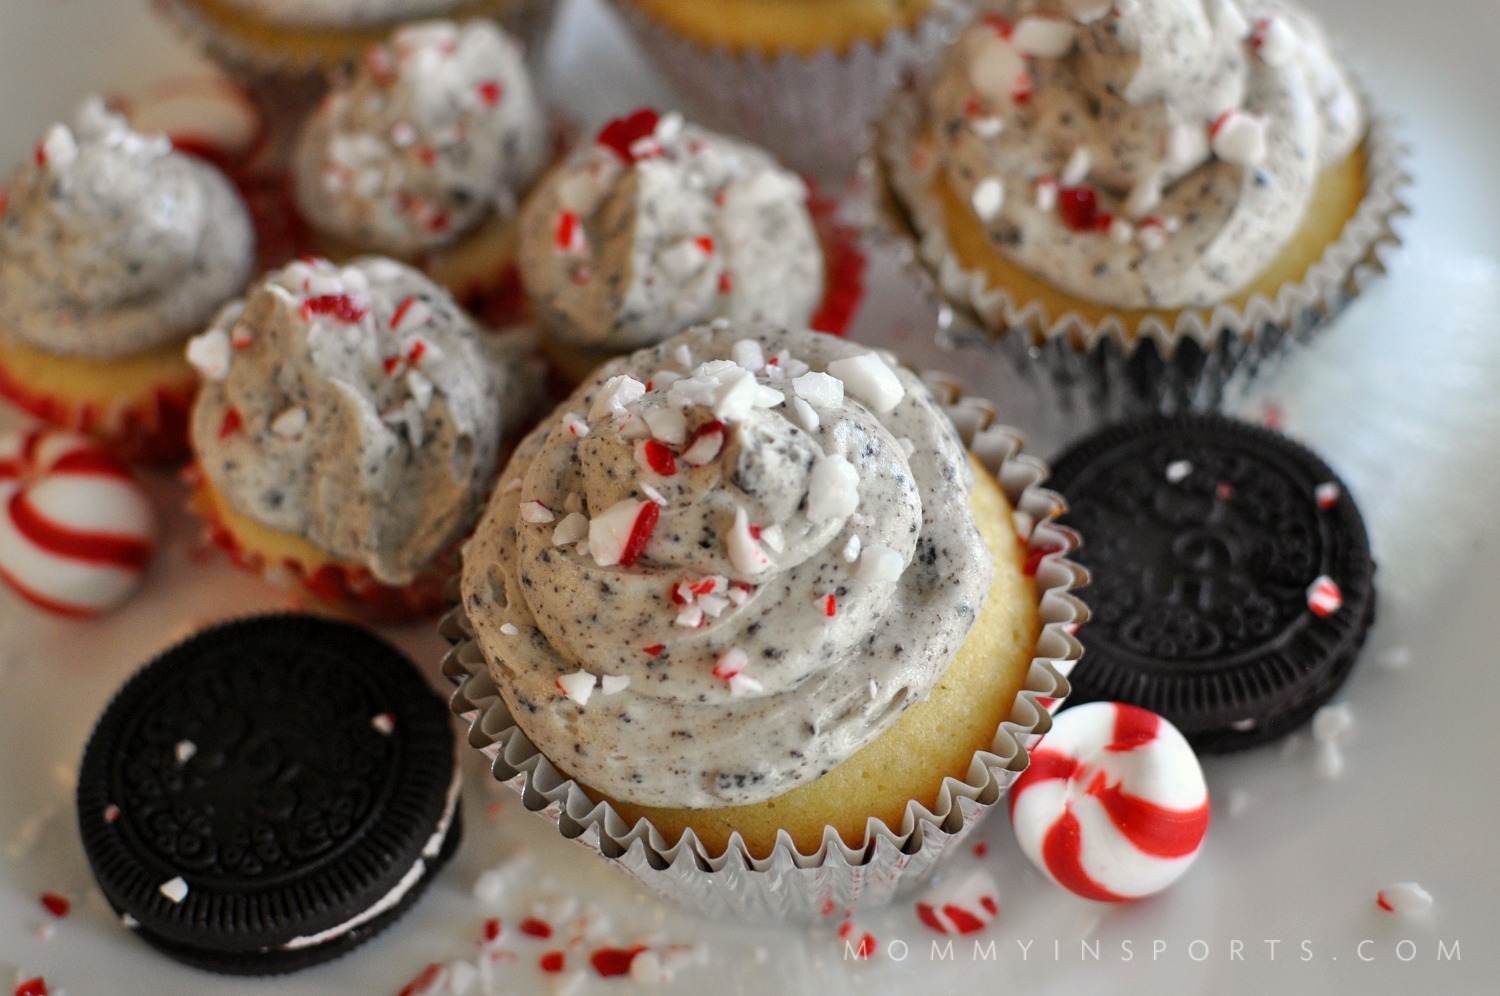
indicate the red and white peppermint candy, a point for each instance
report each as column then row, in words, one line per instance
column 1324, row 596
column 1113, row 806
column 77, row 529
column 961, row 904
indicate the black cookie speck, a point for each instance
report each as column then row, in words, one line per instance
column 1203, row 535
column 290, row 770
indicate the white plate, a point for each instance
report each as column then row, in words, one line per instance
column 1401, row 399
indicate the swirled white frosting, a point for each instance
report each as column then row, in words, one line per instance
column 725, row 564
column 435, row 133
column 357, row 408
column 345, row 13
column 1145, row 153
column 112, row 244
column 660, row 225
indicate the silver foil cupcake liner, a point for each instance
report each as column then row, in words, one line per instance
column 835, row 878
column 813, row 111
column 1201, row 360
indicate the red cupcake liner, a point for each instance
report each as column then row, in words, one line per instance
column 152, row 430
column 346, row 586
column 844, row 267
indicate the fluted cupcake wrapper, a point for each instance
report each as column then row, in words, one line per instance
column 149, row 429
column 813, row 111
column 835, row 878
column 1204, row 357
column 345, row 587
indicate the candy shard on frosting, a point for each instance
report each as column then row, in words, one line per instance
column 749, row 634
column 112, row 244
column 659, row 225
column 386, row 471
column 435, row 133
column 1159, row 157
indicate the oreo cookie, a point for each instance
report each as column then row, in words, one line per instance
column 1232, row 579
column 269, row 794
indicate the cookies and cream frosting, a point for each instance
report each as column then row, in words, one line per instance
column 659, row 225
column 725, row 564
column 358, row 408
column 1142, row 153
column 434, row 133
column 112, row 244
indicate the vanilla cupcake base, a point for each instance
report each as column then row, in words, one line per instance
column 820, row 876
column 137, row 405
column 244, row 42
column 812, row 108
column 288, row 561
column 1114, row 362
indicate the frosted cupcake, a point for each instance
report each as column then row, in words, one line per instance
column 350, row 424
column 292, row 38
column 659, row 225
column 423, row 154
column 803, row 78
column 1202, row 177
column 746, row 590
column 113, row 251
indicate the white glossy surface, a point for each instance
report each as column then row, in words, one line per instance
column 1400, row 399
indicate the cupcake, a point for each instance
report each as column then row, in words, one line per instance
column 423, row 154
column 349, row 427
column 659, row 225
column 114, row 249
column 308, row 38
column 748, row 595
column 1115, row 185
column 804, row 78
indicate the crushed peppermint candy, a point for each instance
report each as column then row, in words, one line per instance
column 573, row 527
column 209, row 354
column 536, row 512
column 730, row 663
column 1405, row 898
column 832, row 489
column 745, row 551
column 578, row 686
column 1178, row 471
column 1324, row 597
column 1044, row 37
column 1327, row 494
column 384, row 723
column 706, row 443
column 960, row 903
column 175, row 889
column 869, row 379
column 620, row 534
column 611, row 684
column 879, row 564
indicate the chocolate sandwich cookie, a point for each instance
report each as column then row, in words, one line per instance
column 1232, row 579
column 269, row 794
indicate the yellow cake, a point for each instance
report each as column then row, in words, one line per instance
column 773, row 26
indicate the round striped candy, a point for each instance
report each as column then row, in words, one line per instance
column 1113, row 806
column 76, row 530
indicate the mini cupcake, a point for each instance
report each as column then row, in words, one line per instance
column 423, row 155
column 350, row 423
column 747, row 595
column 308, row 38
column 114, row 249
column 1114, row 185
column 804, row 78
column 659, row 225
